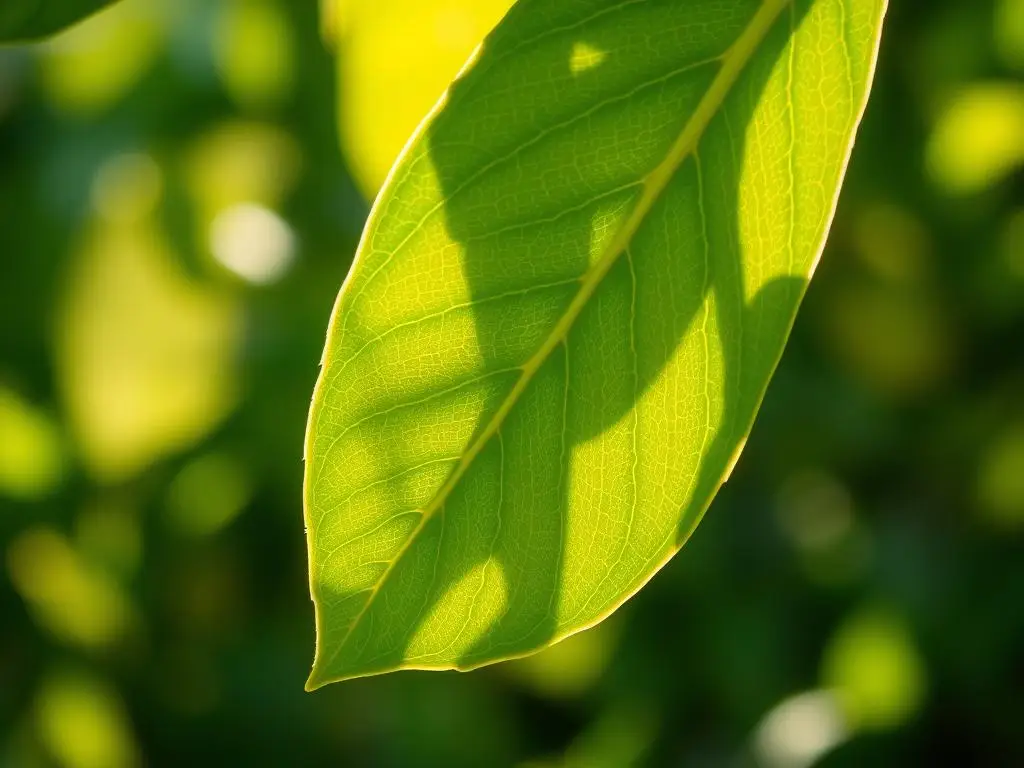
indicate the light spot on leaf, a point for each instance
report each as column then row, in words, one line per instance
column 585, row 57
column 462, row 616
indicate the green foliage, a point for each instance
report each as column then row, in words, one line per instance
column 29, row 19
column 856, row 590
column 563, row 315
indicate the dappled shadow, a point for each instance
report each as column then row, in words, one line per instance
column 622, row 379
column 506, row 523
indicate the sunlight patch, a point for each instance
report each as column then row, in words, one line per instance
column 481, row 596
column 584, row 56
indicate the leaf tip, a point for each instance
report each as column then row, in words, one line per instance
column 318, row 676
column 313, row 683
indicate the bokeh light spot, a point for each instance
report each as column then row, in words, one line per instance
column 815, row 510
column 31, row 461
column 83, row 723
column 93, row 65
column 894, row 338
column 254, row 52
column 108, row 532
column 1008, row 31
column 207, row 495
column 892, row 243
column 145, row 354
column 69, row 597
column 978, row 139
column 799, row 730
column 127, row 187
column 253, row 242
column 571, row 667
column 875, row 670
column 1000, row 484
column 1012, row 243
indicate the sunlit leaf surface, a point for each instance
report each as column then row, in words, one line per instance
column 563, row 315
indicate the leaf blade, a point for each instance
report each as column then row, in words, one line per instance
column 478, row 568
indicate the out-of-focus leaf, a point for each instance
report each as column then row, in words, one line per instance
column 979, row 138
column 895, row 339
column 29, row 19
column 563, row 316
column 1000, row 483
column 254, row 52
column 146, row 356
column 1009, row 32
column 83, row 722
column 207, row 495
column 30, row 451
column 240, row 162
column 395, row 58
column 69, row 596
column 91, row 67
column 874, row 668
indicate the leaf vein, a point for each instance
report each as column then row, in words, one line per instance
column 654, row 183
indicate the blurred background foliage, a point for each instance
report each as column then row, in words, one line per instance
column 176, row 216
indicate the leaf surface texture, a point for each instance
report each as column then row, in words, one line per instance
column 563, row 314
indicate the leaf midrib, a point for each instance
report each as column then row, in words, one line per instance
column 654, row 183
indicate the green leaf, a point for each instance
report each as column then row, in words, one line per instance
column 563, row 315
column 30, row 19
